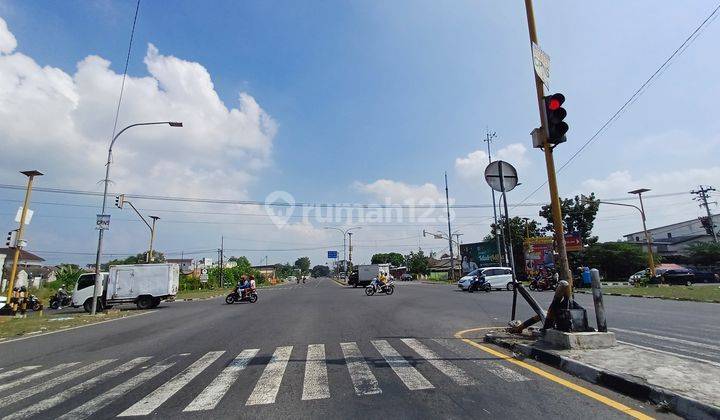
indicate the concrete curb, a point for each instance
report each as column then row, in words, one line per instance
column 650, row 297
column 630, row 386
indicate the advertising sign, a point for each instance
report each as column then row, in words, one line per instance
column 573, row 242
column 538, row 252
column 478, row 254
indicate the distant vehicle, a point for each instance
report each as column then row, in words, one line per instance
column 637, row 276
column 676, row 276
column 366, row 273
column 406, row 277
column 706, row 276
column 497, row 277
column 145, row 285
column 291, row 278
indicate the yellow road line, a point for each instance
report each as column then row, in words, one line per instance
column 547, row 375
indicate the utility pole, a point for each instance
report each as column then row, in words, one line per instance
column 488, row 139
column 452, row 258
column 564, row 271
column 18, row 239
column 152, row 238
column 648, row 237
column 703, row 193
column 222, row 260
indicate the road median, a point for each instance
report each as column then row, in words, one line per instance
column 687, row 387
column 707, row 294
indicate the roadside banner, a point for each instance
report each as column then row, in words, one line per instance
column 573, row 242
column 539, row 252
column 478, row 254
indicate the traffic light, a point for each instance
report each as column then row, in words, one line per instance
column 11, row 239
column 119, row 200
column 554, row 116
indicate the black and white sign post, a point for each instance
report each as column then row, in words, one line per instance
column 502, row 177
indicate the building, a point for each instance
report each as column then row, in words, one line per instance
column 265, row 270
column 185, row 264
column 672, row 240
column 28, row 263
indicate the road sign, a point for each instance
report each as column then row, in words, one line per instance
column 28, row 216
column 102, row 222
column 332, row 255
column 501, row 176
column 204, row 275
column 541, row 62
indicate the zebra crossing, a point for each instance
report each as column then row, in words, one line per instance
column 412, row 363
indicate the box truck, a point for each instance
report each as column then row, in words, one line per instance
column 366, row 273
column 145, row 285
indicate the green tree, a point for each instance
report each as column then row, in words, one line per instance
column 320, row 271
column 703, row 253
column 66, row 274
column 615, row 260
column 158, row 257
column 578, row 216
column 417, row 263
column 519, row 229
column 393, row 258
column 284, row 271
column 303, row 263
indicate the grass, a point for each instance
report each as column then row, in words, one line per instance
column 11, row 327
column 697, row 293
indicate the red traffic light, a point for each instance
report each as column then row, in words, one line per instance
column 553, row 104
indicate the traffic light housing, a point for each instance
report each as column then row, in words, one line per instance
column 119, row 200
column 11, row 240
column 554, row 115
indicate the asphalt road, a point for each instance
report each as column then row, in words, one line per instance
column 318, row 350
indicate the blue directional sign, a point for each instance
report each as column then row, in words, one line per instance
column 332, row 255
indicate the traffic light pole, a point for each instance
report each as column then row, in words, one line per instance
column 21, row 230
column 564, row 271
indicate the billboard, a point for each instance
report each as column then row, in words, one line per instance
column 538, row 252
column 478, row 254
column 573, row 242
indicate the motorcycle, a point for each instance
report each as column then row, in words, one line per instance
column 34, row 303
column 387, row 288
column 236, row 296
column 56, row 302
column 479, row 283
column 541, row 283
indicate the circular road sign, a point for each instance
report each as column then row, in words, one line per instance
column 501, row 176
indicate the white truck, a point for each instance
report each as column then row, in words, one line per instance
column 366, row 273
column 145, row 285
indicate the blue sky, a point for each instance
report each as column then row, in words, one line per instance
column 398, row 91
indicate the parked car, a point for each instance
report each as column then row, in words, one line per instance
column 676, row 276
column 705, row 277
column 637, row 276
column 498, row 277
column 406, row 277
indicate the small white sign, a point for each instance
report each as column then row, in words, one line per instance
column 204, row 275
column 541, row 62
column 28, row 216
column 102, row 222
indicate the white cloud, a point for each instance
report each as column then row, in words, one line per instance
column 60, row 123
column 8, row 43
column 389, row 191
column 472, row 166
column 618, row 183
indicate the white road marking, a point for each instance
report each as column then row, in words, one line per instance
column 315, row 385
column 408, row 374
column 496, row 368
column 36, row 389
column 156, row 398
column 455, row 373
column 211, row 396
column 362, row 377
column 16, row 371
column 94, row 405
column 503, row 372
column 673, row 339
column 684, row 356
column 42, row 373
column 268, row 385
column 77, row 389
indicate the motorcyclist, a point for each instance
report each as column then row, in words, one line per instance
column 252, row 282
column 61, row 294
column 380, row 281
column 243, row 286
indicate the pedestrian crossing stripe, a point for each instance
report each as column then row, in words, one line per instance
column 315, row 383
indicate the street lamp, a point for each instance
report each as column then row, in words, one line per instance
column 98, row 276
column 152, row 238
column 648, row 238
column 344, row 233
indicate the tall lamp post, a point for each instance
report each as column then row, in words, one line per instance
column 344, row 233
column 98, row 276
column 648, row 238
column 18, row 239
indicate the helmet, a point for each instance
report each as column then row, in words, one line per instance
column 23, row 289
